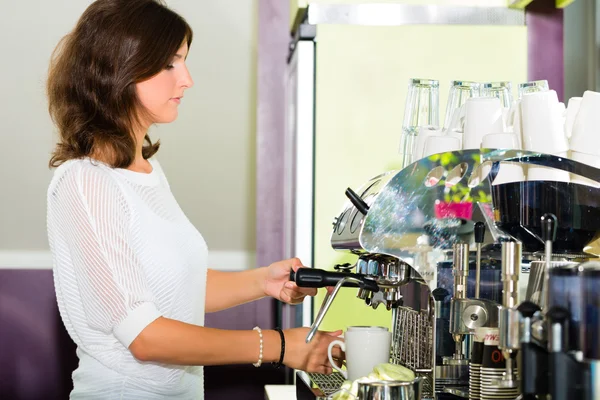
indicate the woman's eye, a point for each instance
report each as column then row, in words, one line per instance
column 170, row 66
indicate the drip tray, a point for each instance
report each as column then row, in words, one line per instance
column 317, row 386
column 329, row 384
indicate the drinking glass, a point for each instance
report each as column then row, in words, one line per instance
column 501, row 90
column 533, row 86
column 460, row 91
column 421, row 109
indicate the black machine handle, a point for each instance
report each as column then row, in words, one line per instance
column 439, row 294
column 528, row 309
column 318, row 278
column 549, row 227
column 479, row 232
column 357, row 201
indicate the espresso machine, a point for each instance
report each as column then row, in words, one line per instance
column 447, row 251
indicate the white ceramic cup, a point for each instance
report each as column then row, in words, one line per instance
column 440, row 144
column 571, row 114
column 585, row 137
column 542, row 123
column 500, row 140
column 483, row 115
column 365, row 347
column 424, row 133
column 515, row 122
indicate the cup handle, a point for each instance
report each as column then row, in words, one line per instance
column 342, row 344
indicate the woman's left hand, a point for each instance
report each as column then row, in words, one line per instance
column 277, row 282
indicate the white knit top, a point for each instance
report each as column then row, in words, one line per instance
column 124, row 254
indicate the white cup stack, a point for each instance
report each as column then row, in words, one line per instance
column 483, row 115
column 585, row 139
column 425, row 132
column 543, row 131
column 537, row 122
column 570, row 114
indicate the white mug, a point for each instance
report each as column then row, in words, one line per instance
column 440, row 144
column 424, row 133
column 515, row 123
column 571, row 114
column 584, row 137
column 365, row 347
column 483, row 115
column 542, row 123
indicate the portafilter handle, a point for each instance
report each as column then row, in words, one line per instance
column 318, row 278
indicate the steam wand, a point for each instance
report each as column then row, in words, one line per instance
column 316, row 278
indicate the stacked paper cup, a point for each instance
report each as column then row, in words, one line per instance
column 493, row 367
column 475, row 365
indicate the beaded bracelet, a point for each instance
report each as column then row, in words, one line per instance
column 260, row 353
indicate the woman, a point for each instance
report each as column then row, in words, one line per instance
column 130, row 270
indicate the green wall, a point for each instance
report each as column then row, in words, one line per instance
column 362, row 75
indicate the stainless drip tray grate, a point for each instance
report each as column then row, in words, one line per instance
column 413, row 341
column 329, row 384
column 412, row 345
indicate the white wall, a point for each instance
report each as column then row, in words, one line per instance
column 207, row 154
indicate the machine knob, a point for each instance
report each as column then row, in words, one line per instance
column 558, row 315
column 479, row 232
column 528, row 309
column 549, row 227
column 439, row 294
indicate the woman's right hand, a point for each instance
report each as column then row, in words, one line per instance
column 310, row 357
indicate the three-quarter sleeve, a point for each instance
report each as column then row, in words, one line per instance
column 95, row 221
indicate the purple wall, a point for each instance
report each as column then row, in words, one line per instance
column 545, row 44
column 273, row 42
column 36, row 354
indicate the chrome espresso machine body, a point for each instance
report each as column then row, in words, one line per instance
column 443, row 244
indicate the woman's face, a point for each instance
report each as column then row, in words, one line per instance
column 162, row 93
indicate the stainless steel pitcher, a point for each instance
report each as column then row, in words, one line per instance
column 390, row 390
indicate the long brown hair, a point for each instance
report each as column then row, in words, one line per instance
column 93, row 72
